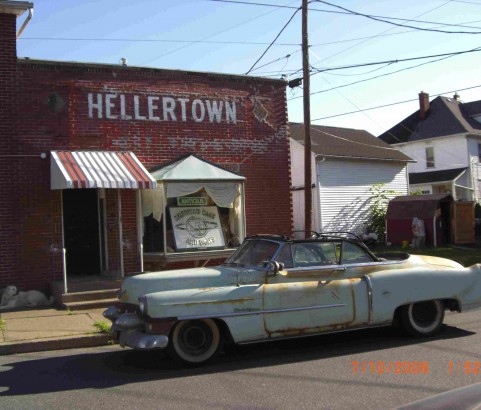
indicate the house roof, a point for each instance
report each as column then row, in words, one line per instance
column 446, row 116
column 436, row 176
column 347, row 143
column 421, row 206
column 192, row 168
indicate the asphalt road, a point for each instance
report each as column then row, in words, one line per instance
column 311, row 373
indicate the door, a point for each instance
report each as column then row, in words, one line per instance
column 311, row 295
column 81, row 231
column 464, row 222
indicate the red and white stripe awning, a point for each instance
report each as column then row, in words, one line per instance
column 98, row 169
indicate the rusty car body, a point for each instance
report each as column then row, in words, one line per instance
column 276, row 287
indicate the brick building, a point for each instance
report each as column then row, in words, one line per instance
column 95, row 161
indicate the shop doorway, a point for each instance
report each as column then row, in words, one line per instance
column 81, row 231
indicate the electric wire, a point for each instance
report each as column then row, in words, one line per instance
column 384, row 20
column 383, row 33
column 212, row 35
column 375, row 77
column 391, row 104
column 273, row 41
column 345, row 13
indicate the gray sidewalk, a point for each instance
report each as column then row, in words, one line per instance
column 50, row 329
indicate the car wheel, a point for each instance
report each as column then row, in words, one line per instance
column 195, row 341
column 423, row 318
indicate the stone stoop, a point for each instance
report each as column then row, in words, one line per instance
column 86, row 293
column 92, row 299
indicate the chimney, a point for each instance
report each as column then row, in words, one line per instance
column 457, row 97
column 423, row 105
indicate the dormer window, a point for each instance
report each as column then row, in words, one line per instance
column 430, row 157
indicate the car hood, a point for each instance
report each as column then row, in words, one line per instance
column 135, row 286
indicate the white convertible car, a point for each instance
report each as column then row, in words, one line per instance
column 275, row 287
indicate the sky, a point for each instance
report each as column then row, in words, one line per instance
column 226, row 37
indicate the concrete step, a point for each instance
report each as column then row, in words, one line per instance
column 88, row 295
column 89, row 304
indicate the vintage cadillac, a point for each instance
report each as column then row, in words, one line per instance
column 275, row 287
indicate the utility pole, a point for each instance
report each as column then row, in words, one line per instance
column 307, row 123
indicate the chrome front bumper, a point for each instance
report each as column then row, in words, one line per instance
column 129, row 330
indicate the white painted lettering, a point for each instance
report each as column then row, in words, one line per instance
column 183, row 101
column 123, row 114
column 200, row 104
column 137, row 115
column 214, row 109
column 143, row 107
column 230, row 113
column 152, row 108
column 109, row 105
column 97, row 105
column 168, row 107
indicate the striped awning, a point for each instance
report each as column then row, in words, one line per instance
column 98, row 169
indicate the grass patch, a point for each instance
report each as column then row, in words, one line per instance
column 103, row 327
column 464, row 256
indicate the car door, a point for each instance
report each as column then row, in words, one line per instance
column 311, row 294
column 358, row 264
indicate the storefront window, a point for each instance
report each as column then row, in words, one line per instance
column 210, row 218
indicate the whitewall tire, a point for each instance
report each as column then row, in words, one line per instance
column 423, row 318
column 195, row 341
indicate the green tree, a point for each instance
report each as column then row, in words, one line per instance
column 379, row 200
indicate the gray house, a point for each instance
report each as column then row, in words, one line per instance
column 346, row 163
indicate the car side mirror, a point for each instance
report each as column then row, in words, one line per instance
column 274, row 268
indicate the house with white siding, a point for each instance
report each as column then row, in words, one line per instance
column 444, row 138
column 346, row 163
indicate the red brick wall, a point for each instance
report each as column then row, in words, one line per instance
column 51, row 112
column 9, row 228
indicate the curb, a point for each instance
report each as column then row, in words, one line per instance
column 40, row 345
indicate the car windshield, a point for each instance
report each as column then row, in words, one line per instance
column 256, row 252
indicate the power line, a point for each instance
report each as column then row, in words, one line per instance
column 375, row 77
column 367, row 72
column 138, row 40
column 391, row 104
column 211, row 35
column 347, row 12
column 384, row 20
column 273, row 41
column 278, row 59
column 388, row 62
column 383, row 32
column 133, row 40
column 395, row 61
column 467, row 2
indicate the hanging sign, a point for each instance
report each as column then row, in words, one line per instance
column 197, row 227
column 191, row 201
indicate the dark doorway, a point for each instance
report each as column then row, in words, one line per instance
column 446, row 222
column 81, row 230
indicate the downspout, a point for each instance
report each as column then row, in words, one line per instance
column 25, row 23
column 435, row 242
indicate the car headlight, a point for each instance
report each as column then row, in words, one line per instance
column 143, row 305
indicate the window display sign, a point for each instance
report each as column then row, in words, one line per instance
column 197, row 227
column 191, row 201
